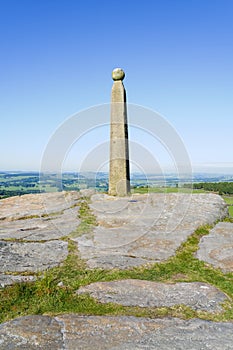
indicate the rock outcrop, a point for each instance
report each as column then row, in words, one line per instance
column 132, row 292
column 144, row 229
column 72, row 332
column 30, row 230
column 217, row 248
column 131, row 231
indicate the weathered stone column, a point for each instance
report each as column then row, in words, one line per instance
column 119, row 178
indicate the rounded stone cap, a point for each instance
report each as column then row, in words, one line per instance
column 118, row 74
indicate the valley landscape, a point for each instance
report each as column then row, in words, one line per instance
column 18, row 183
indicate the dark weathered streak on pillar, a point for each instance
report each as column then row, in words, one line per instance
column 119, row 176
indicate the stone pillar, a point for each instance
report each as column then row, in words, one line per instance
column 119, row 178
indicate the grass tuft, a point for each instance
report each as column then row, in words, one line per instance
column 88, row 220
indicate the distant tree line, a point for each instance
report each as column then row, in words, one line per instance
column 20, row 192
column 19, row 174
column 17, row 184
column 219, row 187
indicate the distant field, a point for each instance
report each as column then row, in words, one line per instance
column 143, row 190
column 14, row 184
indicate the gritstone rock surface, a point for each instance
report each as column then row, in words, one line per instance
column 6, row 280
column 20, row 257
column 217, row 248
column 72, row 332
column 145, row 229
column 18, row 207
column 132, row 292
column 30, row 228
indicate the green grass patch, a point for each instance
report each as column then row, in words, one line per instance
column 26, row 217
column 229, row 201
column 143, row 190
column 54, row 291
column 231, row 211
column 88, row 220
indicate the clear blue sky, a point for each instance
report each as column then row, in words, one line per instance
column 57, row 57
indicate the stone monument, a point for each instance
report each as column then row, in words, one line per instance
column 119, row 176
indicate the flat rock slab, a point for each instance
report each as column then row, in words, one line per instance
column 72, row 332
column 53, row 226
column 26, row 223
column 132, row 292
column 7, row 280
column 217, row 248
column 34, row 257
column 39, row 217
column 143, row 229
column 18, row 207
